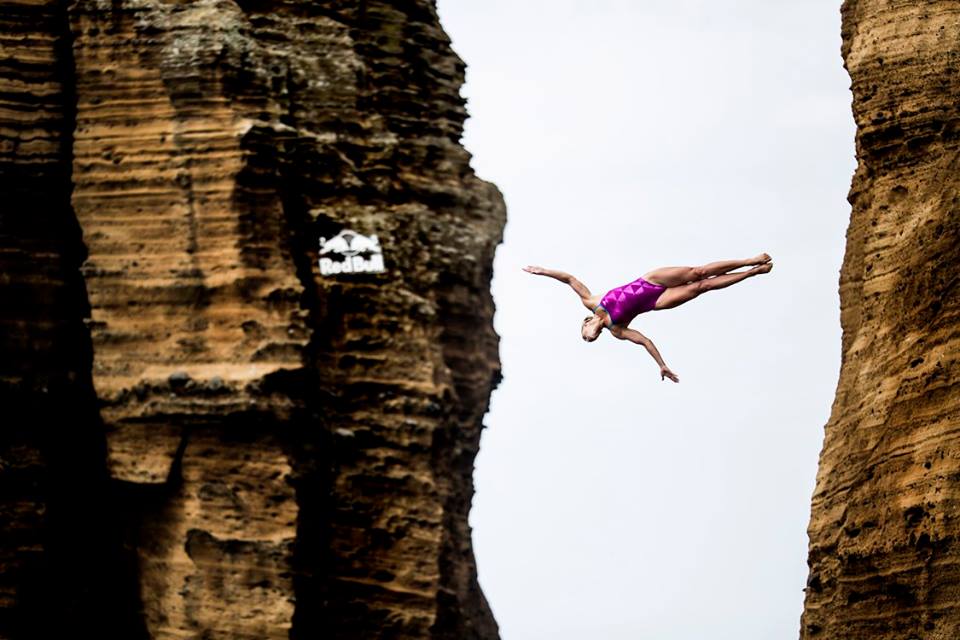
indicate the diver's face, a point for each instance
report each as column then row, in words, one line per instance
column 590, row 328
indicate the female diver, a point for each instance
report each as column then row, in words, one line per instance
column 664, row 288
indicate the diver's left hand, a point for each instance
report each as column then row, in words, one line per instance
column 666, row 373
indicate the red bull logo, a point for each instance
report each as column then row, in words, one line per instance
column 350, row 252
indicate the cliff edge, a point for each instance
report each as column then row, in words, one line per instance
column 884, row 545
column 210, row 433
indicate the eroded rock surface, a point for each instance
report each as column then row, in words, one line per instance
column 264, row 451
column 884, row 546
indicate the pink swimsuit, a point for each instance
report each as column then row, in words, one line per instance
column 624, row 303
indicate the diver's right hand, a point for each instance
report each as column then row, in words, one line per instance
column 537, row 271
column 666, row 373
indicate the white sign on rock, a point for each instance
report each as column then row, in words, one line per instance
column 350, row 252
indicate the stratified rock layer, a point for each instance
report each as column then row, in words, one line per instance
column 263, row 451
column 884, row 548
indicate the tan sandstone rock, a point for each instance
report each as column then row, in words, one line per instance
column 227, row 443
column 884, row 546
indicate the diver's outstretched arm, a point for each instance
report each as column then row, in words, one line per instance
column 636, row 337
column 578, row 287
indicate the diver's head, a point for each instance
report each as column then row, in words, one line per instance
column 591, row 328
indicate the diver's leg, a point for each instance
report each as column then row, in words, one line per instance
column 676, row 276
column 672, row 276
column 675, row 296
column 719, row 268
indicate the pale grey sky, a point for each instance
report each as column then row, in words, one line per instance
column 628, row 135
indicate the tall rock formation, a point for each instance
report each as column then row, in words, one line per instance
column 207, row 436
column 884, row 546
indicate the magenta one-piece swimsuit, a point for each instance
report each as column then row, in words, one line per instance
column 625, row 303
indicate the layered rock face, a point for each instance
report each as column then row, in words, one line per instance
column 884, row 549
column 208, row 436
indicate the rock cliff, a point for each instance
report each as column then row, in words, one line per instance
column 884, row 551
column 207, row 436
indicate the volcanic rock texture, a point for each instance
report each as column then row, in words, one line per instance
column 202, row 436
column 884, row 548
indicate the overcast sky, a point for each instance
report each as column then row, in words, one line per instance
column 628, row 135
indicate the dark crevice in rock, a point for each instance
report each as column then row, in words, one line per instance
column 311, row 444
column 71, row 574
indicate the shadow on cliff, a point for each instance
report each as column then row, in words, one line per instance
column 63, row 568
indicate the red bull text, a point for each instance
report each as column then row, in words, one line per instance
column 344, row 253
column 355, row 264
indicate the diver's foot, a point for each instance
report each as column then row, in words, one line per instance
column 763, row 268
column 763, row 258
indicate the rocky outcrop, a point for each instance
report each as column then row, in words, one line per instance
column 208, row 435
column 884, row 545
